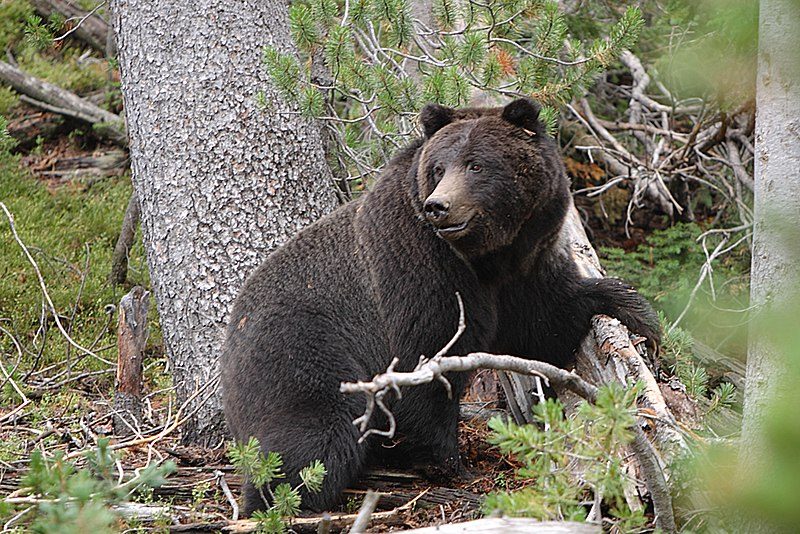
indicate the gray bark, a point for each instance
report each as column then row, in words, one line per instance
column 221, row 182
column 127, row 234
column 775, row 273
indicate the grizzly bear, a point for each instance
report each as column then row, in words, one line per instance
column 474, row 207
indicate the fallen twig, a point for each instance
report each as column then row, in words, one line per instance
column 365, row 512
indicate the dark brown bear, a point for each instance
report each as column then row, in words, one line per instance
column 475, row 207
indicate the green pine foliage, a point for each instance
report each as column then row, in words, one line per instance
column 666, row 268
column 557, row 447
column 381, row 65
column 65, row 498
column 263, row 470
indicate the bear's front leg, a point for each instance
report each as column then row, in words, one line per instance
column 611, row 296
column 428, row 419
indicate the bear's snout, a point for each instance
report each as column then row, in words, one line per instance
column 449, row 208
column 436, row 209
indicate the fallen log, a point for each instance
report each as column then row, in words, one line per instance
column 30, row 127
column 511, row 525
column 89, row 168
column 49, row 97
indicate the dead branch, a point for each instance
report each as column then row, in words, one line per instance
column 89, row 169
column 434, row 368
column 52, row 98
column 509, row 525
column 119, row 261
column 35, row 125
column 226, row 490
column 365, row 512
column 89, row 27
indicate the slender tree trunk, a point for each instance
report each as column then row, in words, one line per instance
column 775, row 270
column 221, row 181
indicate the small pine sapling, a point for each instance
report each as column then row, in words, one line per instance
column 556, row 448
column 262, row 470
column 71, row 499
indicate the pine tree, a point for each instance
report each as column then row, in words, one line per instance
column 383, row 65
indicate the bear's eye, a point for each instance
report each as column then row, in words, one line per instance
column 475, row 167
column 438, row 171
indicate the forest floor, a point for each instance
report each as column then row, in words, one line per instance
column 68, row 194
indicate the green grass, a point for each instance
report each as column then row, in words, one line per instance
column 13, row 14
column 70, row 233
column 65, row 70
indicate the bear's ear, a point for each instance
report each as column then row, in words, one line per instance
column 523, row 113
column 434, row 117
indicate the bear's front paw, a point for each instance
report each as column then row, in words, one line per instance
column 446, row 470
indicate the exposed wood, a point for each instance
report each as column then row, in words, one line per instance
column 365, row 513
column 519, row 395
column 92, row 30
column 28, row 128
column 119, row 261
column 508, row 525
column 131, row 340
column 52, row 98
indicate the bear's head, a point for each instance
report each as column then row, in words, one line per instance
column 488, row 177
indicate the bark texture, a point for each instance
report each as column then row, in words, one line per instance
column 220, row 181
column 127, row 234
column 775, row 271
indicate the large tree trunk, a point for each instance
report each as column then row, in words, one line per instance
column 775, row 271
column 221, row 182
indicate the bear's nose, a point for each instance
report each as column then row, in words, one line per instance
column 436, row 209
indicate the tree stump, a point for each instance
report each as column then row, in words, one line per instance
column 131, row 340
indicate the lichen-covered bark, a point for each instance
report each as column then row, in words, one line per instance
column 221, row 182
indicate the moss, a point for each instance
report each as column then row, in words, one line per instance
column 13, row 14
column 66, row 71
column 8, row 99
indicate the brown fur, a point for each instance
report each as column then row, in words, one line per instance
column 377, row 280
